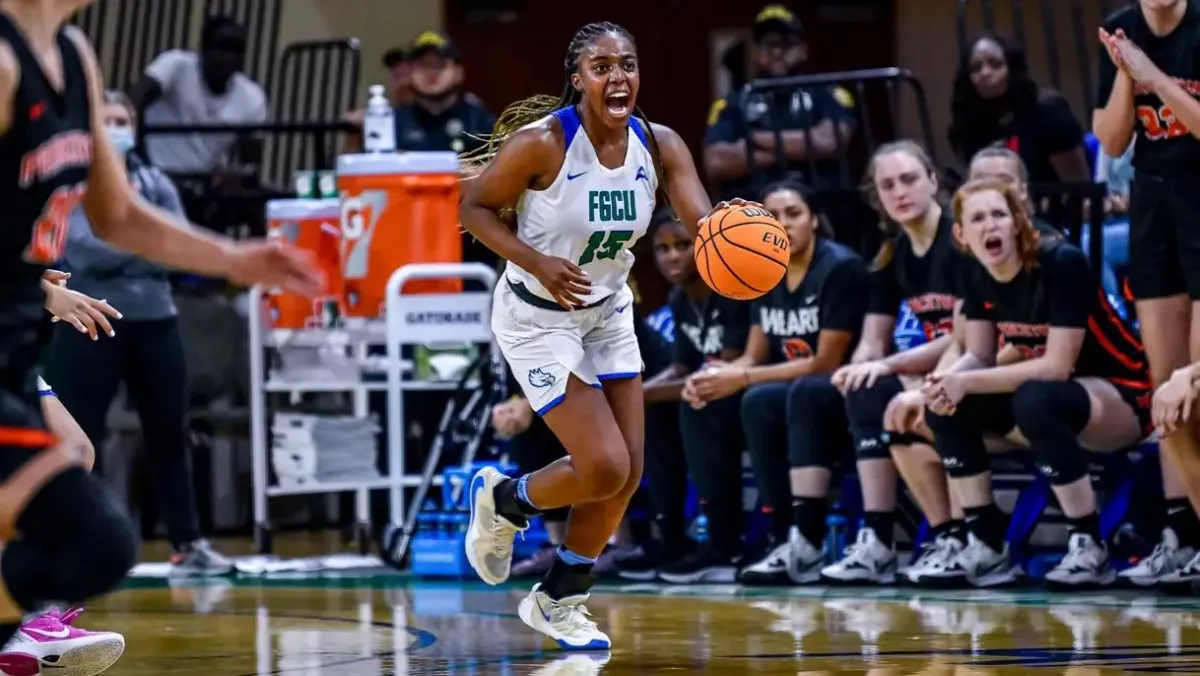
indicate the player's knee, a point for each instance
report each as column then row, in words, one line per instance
column 864, row 410
column 605, row 475
column 759, row 405
column 1051, row 410
column 101, row 548
column 959, row 443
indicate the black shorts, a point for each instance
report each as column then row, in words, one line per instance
column 1164, row 237
column 1139, row 396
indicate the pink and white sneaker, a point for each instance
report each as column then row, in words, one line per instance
column 51, row 644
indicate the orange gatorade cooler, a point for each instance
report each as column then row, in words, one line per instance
column 312, row 225
column 397, row 209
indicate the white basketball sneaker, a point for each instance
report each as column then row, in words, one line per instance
column 566, row 620
column 489, row 541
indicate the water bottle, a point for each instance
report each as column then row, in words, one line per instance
column 835, row 540
column 702, row 528
column 379, row 123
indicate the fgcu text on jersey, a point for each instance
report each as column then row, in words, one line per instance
column 67, row 150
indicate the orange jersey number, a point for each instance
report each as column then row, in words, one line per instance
column 50, row 230
column 1160, row 123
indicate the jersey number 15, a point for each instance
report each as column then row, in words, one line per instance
column 605, row 245
column 1160, row 123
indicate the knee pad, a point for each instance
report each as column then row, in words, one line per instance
column 864, row 409
column 1050, row 410
column 1052, row 415
column 91, row 534
column 960, row 443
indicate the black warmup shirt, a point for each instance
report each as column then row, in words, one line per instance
column 1059, row 292
column 928, row 283
column 44, row 161
column 1164, row 146
column 833, row 295
column 703, row 330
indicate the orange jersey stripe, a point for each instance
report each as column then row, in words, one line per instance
column 1113, row 349
column 26, row 437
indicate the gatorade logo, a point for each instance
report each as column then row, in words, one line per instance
column 360, row 216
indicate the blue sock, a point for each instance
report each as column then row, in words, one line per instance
column 572, row 559
column 523, row 492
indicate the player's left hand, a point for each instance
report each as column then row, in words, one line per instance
column 56, row 277
column 275, row 264
column 717, row 381
column 1173, row 401
column 83, row 312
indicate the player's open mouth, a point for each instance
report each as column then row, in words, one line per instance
column 993, row 244
column 618, row 104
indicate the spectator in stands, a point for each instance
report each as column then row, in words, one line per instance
column 817, row 123
column 146, row 352
column 708, row 328
column 794, row 418
column 1079, row 384
column 996, row 102
column 209, row 87
column 441, row 115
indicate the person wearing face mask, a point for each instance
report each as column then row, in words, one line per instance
column 817, row 123
column 145, row 351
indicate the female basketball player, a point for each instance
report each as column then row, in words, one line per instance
column 75, row 541
column 1080, row 383
column 802, row 331
column 917, row 265
column 1145, row 89
column 582, row 172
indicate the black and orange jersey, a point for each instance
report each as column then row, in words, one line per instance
column 44, row 160
column 1164, row 146
column 1059, row 292
column 832, row 295
column 928, row 283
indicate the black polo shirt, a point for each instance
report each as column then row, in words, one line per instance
column 789, row 110
column 457, row 128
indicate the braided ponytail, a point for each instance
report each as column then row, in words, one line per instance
column 527, row 111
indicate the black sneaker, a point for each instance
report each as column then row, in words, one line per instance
column 701, row 566
column 655, row 555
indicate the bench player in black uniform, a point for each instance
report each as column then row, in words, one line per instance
column 793, row 417
column 1149, row 80
column 76, row 542
column 917, row 265
column 1081, row 383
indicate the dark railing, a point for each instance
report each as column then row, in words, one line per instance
column 877, row 114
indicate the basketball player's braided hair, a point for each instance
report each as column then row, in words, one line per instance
column 530, row 110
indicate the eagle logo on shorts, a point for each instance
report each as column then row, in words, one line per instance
column 540, row 378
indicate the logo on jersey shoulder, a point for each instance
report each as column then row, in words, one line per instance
column 540, row 378
column 608, row 206
column 63, row 151
column 641, row 175
column 572, row 177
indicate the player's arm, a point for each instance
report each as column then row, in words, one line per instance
column 121, row 217
column 825, row 140
column 1113, row 122
column 523, row 159
column 832, row 347
column 684, row 188
column 64, row 426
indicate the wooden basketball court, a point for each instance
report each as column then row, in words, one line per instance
column 375, row 625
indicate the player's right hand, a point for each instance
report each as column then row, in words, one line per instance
column 275, row 264
column 853, row 376
column 563, row 280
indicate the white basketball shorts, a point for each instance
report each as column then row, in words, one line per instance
column 543, row 347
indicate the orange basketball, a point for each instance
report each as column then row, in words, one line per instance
column 742, row 252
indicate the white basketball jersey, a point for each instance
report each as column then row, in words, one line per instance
column 590, row 215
